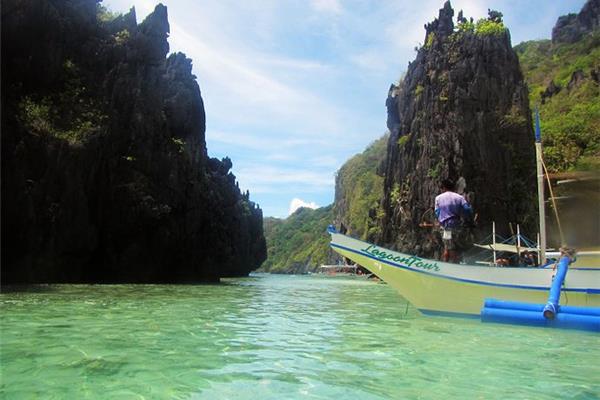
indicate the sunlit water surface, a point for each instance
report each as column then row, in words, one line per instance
column 275, row 337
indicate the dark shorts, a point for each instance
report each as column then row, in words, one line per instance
column 458, row 238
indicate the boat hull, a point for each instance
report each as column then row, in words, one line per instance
column 439, row 288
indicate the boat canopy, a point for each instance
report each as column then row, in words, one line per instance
column 509, row 248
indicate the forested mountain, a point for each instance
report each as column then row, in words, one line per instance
column 563, row 76
column 299, row 243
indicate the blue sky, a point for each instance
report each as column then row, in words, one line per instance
column 293, row 88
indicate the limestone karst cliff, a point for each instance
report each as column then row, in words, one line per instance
column 462, row 110
column 105, row 172
column 573, row 27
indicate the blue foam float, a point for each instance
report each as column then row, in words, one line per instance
column 551, row 314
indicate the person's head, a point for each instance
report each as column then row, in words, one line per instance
column 447, row 185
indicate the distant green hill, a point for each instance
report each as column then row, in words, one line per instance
column 563, row 80
column 358, row 191
column 299, row 243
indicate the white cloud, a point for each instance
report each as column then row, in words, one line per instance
column 329, row 6
column 295, row 64
column 296, row 203
column 471, row 8
column 326, row 161
column 287, row 157
column 245, row 87
column 404, row 33
column 370, row 60
column 263, row 143
column 276, row 178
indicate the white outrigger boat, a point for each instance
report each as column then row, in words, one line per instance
column 441, row 288
column 528, row 295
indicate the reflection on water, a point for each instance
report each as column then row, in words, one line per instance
column 273, row 337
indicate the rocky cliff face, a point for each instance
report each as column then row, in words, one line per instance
column 105, row 172
column 462, row 111
column 572, row 27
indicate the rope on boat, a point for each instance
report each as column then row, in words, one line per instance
column 552, row 198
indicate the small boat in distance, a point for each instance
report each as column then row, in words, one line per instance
column 336, row 269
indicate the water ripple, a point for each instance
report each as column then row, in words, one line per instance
column 273, row 337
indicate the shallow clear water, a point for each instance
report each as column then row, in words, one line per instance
column 275, row 337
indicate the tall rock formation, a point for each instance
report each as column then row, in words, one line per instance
column 105, row 172
column 462, row 111
column 572, row 27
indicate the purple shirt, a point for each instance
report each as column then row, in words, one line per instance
column 449, row 206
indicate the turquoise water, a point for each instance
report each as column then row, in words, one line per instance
column 275, row 337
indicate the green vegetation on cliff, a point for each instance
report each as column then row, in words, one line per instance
column 299, row 243
column 563, row 82
column 69, row 112
column 358, row 191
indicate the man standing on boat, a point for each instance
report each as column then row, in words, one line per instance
column 451, row 210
